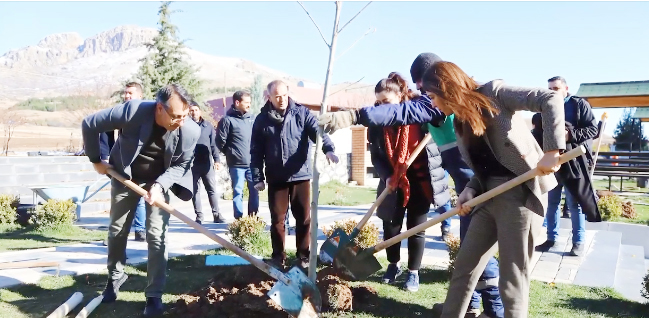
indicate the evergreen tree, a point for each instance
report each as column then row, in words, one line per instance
column 629, row 134
column 257, row 95
column 166, row 62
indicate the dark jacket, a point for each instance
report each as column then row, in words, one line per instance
column 284, row 147
column 233, row 137
column 584, row 125
column 105, row 145
column 381, row 163
column 206, row 145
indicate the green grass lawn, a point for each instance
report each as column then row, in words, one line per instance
column 15, row 237
column 187, row 274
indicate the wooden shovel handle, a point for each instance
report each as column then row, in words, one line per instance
column 28, row 264
column 477, row 200
column 387, row 191
column 273, row 272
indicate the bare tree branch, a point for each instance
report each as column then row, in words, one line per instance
column 316, row 25
column 344, row 89
column 362, row 36
column 354, row 17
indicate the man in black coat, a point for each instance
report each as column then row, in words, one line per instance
column 581, row 128
column 206, row 161
column 281, row 140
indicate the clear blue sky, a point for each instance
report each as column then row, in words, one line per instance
column 523, row 43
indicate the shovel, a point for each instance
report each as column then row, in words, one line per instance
column 361, row 263
column 599, row 143
column 339, row 240
column 291, row 289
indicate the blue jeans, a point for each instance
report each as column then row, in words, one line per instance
column 552, row 216
column 455, row 165
column 238, row 176
column 140, row 217
column 446, row 224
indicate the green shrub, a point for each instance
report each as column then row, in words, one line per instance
column 8, row 206
column 368, row 237
column 610, row 207
column 453, row 246
column 645, row 287
column 54, row 213
column 249, row 233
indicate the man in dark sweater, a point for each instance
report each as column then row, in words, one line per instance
column 203, row 168
column 132, row 91
column 233, row 139
column 155, row 150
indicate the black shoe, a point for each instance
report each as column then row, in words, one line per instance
column 437, row 310
column 199, row 221
column 276, row 262
column 218, row 219
column 303, row 264
column 445, row 232
column 140, row 236
column 577, row 249
column 154, row 307
column 546, row 246
column 112, row 289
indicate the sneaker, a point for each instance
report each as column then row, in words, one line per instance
column 154, row 307
column 218, row 219
column 276, row 262
column 412, row 283
column 445, row 232
column 391, row 273
column 140, row 236
column 303, row 264
column 112, row 289
column 577, row 249
column 546, row 246
column 199, row 221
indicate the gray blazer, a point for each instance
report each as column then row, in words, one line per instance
column 135, row 119
column 512, row 142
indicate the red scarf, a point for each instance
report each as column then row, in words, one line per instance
column 396, row 144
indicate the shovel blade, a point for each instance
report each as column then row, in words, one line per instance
column 301, row 298
column 329, row 249
column 357, row 263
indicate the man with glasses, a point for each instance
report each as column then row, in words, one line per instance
column 155, row 150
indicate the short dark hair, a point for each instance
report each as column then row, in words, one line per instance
column 165, row 93
column 537, row 121
column 134, row 84
column 558, row 78
column 193, row 103
column 239, row 95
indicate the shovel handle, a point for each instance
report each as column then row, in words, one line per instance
column 28, row 264
column 599, row 143
column 387, row 191
column 273, row 272
column 477, row 200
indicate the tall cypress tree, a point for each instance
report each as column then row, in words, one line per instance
column 166, row 62
column 629, row 134
column 257, row 95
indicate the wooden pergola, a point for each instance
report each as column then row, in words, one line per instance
column 618, row 95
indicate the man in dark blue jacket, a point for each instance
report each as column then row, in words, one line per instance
column 233, row 139
column 282, row 137
column 582, row 129
column 206, row 161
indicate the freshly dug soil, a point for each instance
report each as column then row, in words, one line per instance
column 240, row 291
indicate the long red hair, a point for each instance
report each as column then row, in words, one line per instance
column 460, row 93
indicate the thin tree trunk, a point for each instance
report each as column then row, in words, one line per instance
column 313, row 257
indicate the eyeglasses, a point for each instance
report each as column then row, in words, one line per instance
column 173, row 118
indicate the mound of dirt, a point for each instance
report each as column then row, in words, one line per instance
column 236, row 291
column 240, row 291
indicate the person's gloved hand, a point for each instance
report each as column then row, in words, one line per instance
column 331, row 157
column 330, row 122
column 260, row 186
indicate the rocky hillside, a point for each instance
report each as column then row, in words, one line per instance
column 67, row 64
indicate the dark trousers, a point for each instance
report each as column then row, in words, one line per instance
column 298, row 194
column 205, row 172
column 417, row 207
